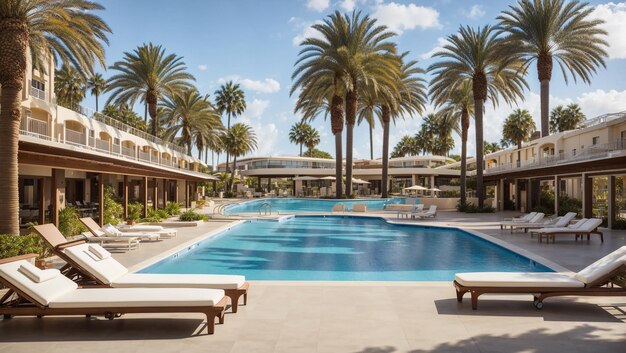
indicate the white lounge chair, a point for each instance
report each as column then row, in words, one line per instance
column 359, row 207
column 35, row 292
column 591, row 281
column 559, row 222
column 524, row 218
column 161, row 231
column 431, row 213
column 108, row 271
column 587, row 228
column 110, row 231
column 338, row 207
column 417, row 208
column 537, row 219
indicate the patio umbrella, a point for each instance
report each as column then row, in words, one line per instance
column 360, row 181
column 327, row 178
column 434, row 189
column 416, row 188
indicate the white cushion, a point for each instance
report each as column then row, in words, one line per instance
column 141, row 228
column 153, row 280
column 43, row 292
column 99, row 251
column 517, row 279
column 109, row 230
column 603, row 266
column 106, row 270
column 35, row 274
column 137, row 297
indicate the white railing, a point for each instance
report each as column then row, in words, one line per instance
column 128, row 152
column 34, row 127
column 116, row 149
column 591, row 152
column 74, row 137
column 603, row 119
column 144, row 156
column 37, row 93
column 103, row 145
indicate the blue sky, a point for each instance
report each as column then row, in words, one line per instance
column 256, row 44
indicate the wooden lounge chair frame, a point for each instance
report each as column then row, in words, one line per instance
column 78, row 274
column 17, row 303
column 603, row 287
column 577, row 233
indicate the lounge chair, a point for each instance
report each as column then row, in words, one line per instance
column 559, row 222
column 525, row 218
column 587, row 228
column 110, row 231
column 593, row 280
column 536, row 220
column 35, row 292
column 162, row 232
column 431, row 213
column 85, row 268
column 418, row 208
column 130, row 243
column 338, row 207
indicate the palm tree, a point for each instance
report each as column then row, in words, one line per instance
column 555, row 30
column 97, row 84
column 481, row 56
column 518, row 128
column 458, row 103
column 445, row 124
column 298, row 134
column 68, row 30
column 312, row 138
column 239, row 140
column 231, row 100
column 407, row 146
column 563, row 119
column 69, row 87
column 363, row 51
column 367, row 112
column 190, row 114
column 323, row 82
column 148, row 74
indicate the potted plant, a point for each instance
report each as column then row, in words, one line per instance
column 134, row 213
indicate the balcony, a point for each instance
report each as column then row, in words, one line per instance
column 37, row 93
column 598, row 151
column 35, row 128
column 75, row 138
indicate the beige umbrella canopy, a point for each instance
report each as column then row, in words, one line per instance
column 306, row 178
column 415, row 188
column 327, row 178
column 359, row 181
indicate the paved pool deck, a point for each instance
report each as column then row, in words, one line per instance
column 356, row 317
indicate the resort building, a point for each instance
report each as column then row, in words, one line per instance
column 315, row 176
column 67, row 157
column 587, row 164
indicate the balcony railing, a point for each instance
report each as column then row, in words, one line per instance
column 592, row 152
column 128, row 152
column 75, row 137
column 103, row 145
column 37, row 93
column 35, row 128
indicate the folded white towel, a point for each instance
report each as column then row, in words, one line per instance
column 36, row 275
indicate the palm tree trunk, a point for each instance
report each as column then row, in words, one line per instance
column 336, row 122
column 151, row 98
column 206, row 155
column 13, row 44
column 544, row 71
column 464, row 128
column 385, row 177
column 227, row 154
column 232, row 174
column 519, row 154
column 97, row 110
column 349, row 143
column 300, row 150
column 478, row 106
column 371, row 144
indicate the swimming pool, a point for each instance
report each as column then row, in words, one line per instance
column 295, row 205
column 335, row 248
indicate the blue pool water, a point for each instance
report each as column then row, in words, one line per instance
column 294, row 205
column 343, row 249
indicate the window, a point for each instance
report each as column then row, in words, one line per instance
column 91, row 133
column 116, row 141
column 38, row 85
column 595, row 140
column 574, row 152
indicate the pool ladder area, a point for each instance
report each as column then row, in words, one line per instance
column 219, row 209
column 263, row 210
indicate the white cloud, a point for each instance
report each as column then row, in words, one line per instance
column 267, row 135
column 306, row 30
column 268, row 85
column 317, row 5
column 441, row 41
column 614, row 15
column 475, row 12
column 202, row 67
column 256, row 108
column 400, row 18
column 600, row 102
column 347, row 5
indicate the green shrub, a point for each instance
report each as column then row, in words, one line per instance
column 472, row 208
column 569, row 204
column 69, row 222
column 543, row 209
column 191, row 216
column 15, row 245
column 113, row 210
column 173, row 208
column 619, row 223
column 134, row 211
column 155, row 216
